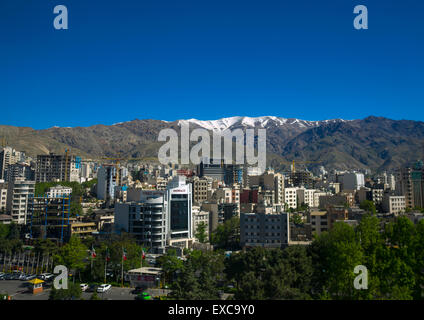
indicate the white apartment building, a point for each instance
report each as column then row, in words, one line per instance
column 306, row 196
column 58, row 192
column 19, row 193
column 394, row 204
column 3, row 197
column 9, row 156
column 290, row 197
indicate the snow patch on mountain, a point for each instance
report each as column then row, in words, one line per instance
column 263, row 122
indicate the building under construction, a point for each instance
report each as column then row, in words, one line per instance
column 57, row 167
column 51, row 218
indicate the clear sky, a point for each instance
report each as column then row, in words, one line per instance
column 208, row 59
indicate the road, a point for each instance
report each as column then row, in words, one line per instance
column 19, row 291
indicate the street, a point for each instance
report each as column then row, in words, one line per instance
column 19, row 291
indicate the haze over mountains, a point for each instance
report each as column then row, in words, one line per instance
column 374, row 142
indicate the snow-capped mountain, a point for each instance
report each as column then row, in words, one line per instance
column 261, row 122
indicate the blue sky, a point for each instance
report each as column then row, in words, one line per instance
column 208, row 59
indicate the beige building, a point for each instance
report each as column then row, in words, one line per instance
column 394, row 204
column 200, row 190
column 319, row 221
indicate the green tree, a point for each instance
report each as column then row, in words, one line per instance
column 4, row 231
column 72, row 293
column 14, row 231
column 227, row 235
column 170, row 264
column 297, row 219
column 201, row 232
column 73, row 255
column 335, row 254
column 368, row 206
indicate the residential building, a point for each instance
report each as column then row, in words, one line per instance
column 213, row 168
column 146, row 219
column 55, row 167
column 264, row 230
column 3, row 197
column 351, row 180
column 19, row 170
column 159, row 218
column 290, row 197
column 59, row 192
column 201, row 186
column 306, row 196
column 106, row 182
column 200, row 216
column 410, row 183
column 393, row 204
column 9, row 156
column 19, row 193
column 319, row 221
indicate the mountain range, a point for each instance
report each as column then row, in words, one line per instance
column 374, row 143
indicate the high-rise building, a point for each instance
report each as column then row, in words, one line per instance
column 410, row 183
column 20, row 170
column 106, row 182
column 19, row 193
column 159, row 218
column 55, row 167
column 3, row 197
column 178, row 206
column 9, row 156
column 144, row 219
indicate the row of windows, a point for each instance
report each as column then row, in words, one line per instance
column 266, row 241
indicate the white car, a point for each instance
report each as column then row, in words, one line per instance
column 104, row 288
column 46, row 276
column 84, row 286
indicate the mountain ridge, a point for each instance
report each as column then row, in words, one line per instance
column 375, row 143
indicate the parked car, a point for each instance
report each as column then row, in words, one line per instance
column 30, row 277
column 2, row 275
column 16, row 275
column 143, row 296
column 22, row 276
column 103, row 288
column 84, row 286
column 46, row 276
column 8, row 276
